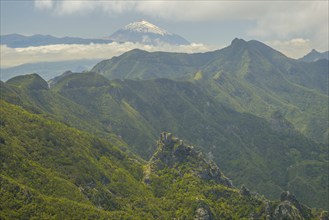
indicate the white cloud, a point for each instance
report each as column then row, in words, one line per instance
column 43, row 4
column 68, row 7
column 294, row 48
column 269, row 19
column 292, row 19
column 172, row 10
column 16, row 56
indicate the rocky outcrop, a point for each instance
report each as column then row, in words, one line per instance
column 181, row 160
column 285, row 210
column 203, row 212
column 244, row 191
column 290, row 208
column 172, row 152
column 324, row 215
column 287, row 196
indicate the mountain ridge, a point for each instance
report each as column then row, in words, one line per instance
column 314, row 55
column 48, row 70
column 138, row 110
column 235, row 71
column 19, row 41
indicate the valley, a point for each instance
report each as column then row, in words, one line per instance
column 92, row 138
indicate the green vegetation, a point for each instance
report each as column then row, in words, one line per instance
column 45, row 162
column 81, row 145
column 246, row 76
column 242, row 144
column 52, row 171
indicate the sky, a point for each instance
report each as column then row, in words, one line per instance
column 292, row 27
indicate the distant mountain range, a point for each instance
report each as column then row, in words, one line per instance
column 146, row 33
column 47, row 70
column 17, row 40
column 315, row 56
column 137, row 32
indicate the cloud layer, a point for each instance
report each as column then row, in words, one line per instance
column 292, row 27
column 294, row 48
column 16, row 56
column 282, row 19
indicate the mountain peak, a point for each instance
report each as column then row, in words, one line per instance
column 315, row 55
column 144, row 26
column 237, row 41
column 145, row 32
column 31, row 81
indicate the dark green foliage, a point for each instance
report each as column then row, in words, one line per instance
column 192, row 195
column 52, row 171
column 68, row 149
column 48, row 161
column 138, row 64
column 247, row 76
column 243, row 145
column 31, row 82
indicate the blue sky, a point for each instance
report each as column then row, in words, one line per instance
column 292, row 27
column 25, row 17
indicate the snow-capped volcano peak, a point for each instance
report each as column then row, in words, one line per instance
column 145, row 32
column 144, row 26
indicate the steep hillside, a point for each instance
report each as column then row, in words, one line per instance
column 139, row 64
column 247, row 76
column 184, row 180
column 50, row 170
column 243, row 145
column 32, row 93
column 251, row 77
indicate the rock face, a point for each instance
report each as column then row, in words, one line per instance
column 244, row 191
column 203, row 213
column 290, row 208
column 287, row 196
column 172, row 152
column 286, row 211
column 324, row 215
column 173, row 156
